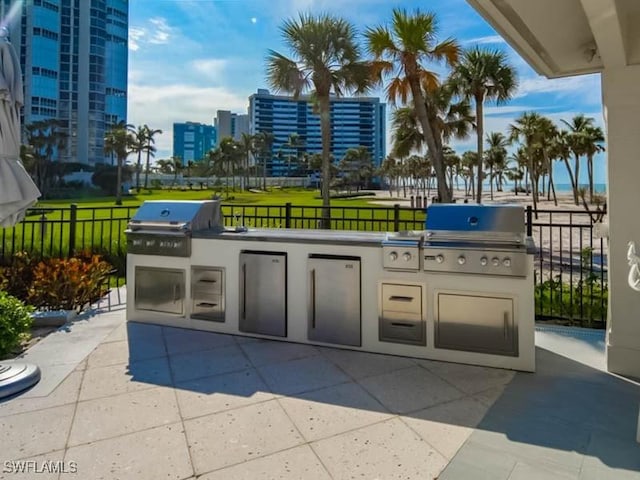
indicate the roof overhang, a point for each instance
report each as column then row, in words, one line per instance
column 560, row 38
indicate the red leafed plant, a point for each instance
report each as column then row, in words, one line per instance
column 68, row 284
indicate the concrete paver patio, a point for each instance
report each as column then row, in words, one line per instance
column 154, row 402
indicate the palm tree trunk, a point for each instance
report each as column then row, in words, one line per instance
column 534, row 181
column 119, row 183
column 146, row 172
column 264, row 171
column 590, row 172
column 479, row 99
column 325, row 128
column 438, row 160
column 491, row 180
column 577, row 170
column 138, row 166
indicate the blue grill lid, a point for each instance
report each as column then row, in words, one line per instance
column 475, row 218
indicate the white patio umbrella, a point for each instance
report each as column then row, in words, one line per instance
column 17, row 190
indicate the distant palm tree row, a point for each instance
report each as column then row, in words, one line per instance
column 327, row 59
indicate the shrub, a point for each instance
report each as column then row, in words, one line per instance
column 17, row 276
column 68, row 284
column 15, row 322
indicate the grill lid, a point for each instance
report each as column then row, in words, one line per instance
column 499, row 224
column 183, row 216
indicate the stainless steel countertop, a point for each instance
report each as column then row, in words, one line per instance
column 332, row 237
column 328, row 237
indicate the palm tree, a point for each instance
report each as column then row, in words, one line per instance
column 45, row 137
column 246, row 143
column 496, row 153
column 326, row 59
column 484, row 75
column 139, row 145
column 294, row 142
column 399, row 53
column 526, row 129
column 469, row 161
column 578, row 126
column 263, row 144
column 562, row 150
column 593, row 139
column 117, row 141
column 150, row 149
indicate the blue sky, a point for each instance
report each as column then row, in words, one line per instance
column 189, row 58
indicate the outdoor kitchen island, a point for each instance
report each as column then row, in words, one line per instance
column 368, row 291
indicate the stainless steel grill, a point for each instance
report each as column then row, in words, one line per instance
column 476, row 239
column 165, row 228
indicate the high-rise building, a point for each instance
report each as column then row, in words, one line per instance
column 355, row 122
column 74, row 57
column 192, row 141
column 231, row 124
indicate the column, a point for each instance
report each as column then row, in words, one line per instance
column 621, row 98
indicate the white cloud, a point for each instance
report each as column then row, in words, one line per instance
column 157, row 31
column 211, row 67
column 135, row 36
column 489, row 39
column 161, row 106
column 162, row 33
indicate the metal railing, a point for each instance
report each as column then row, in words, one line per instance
column 570, row 262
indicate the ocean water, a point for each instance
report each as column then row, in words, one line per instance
column 563, row 187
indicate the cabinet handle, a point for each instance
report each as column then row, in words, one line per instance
column 506, row 325
column 400, row 298
column 244, row 291
column 207, row 304
column 402, row 324
column 176, row 297
column 313, row 298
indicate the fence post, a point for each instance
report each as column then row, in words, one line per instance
column 396, row 217
column 73, row 217
column 529, row 221
column 287, row 215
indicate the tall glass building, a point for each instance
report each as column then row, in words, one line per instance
column 74, row 56
column 192, row 141
column 355, row 122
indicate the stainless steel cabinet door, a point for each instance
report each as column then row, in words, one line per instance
column 263, row 293
column 334, row 300
column 160, row 290
column 476, row 323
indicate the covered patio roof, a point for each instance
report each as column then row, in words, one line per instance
column 568, row 37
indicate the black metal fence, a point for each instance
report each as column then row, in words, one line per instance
column 570, row 261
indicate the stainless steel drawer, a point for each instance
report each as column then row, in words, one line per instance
column 210, row 308
column 397, row 327
column 206, row 279
column 207, row 293
column 402, row 298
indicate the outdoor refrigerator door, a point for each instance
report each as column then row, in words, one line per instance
column 334, row 300
column 263, row 293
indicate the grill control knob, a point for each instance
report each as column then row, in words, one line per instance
column 462, row 260
column 439, row 258
column 484, row 261
column 506, row 262
column 393, row 256
column 406, row 256
column 495, row 261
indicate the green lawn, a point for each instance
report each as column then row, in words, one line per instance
column 276, row 196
